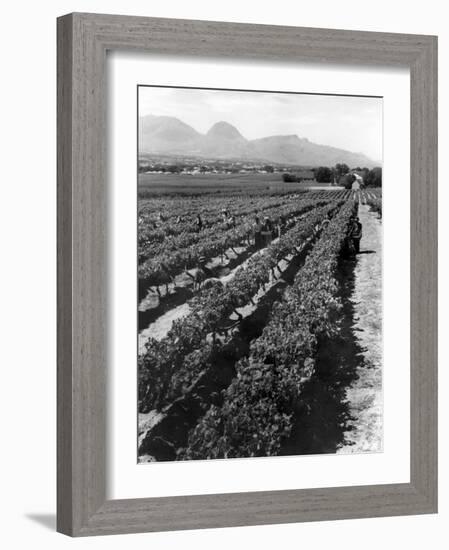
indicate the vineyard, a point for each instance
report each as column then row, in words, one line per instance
column 235, row 333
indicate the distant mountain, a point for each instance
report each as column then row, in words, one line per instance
column 165, row 133
column 224, row 141
column 224, row 130
column 169, row 135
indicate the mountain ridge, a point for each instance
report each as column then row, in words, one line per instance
column 170, row 135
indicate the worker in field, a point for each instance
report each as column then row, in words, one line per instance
column 267, row 231
column 290, row 223
column 350, row 228
column 282, row 224
column 202, row 266
column 230, row 221
column 199, row 223
column 201, row 274
column 224, row 215
column 326, row 221
column 348, row 250
column 356, row 234
column 257, row 232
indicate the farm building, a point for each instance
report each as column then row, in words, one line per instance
column 351, row 180
column 358, row 182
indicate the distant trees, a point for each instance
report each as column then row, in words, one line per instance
column 341, row 169
column 268, row 168
column 347, row 180
column 374, row 177
column 173, row 169
column 305, row 174
column 289, row 178
column 324, row 174
column 341, row 173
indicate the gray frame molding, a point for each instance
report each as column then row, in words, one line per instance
column 83, row 40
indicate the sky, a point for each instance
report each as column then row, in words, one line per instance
column 352, row 123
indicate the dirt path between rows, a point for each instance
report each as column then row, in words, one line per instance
column 365, row 431
column 160, row 328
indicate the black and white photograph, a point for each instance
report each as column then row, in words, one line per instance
column 226, row 223
column 259, row 262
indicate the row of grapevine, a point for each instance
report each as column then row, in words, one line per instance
column 244, row 220
column 375, row 205
column 336, row 194
column 212, row 219
column 172, row 206
column 161, row 269
column 258, row 406
column 169, row 366
column 210, row 209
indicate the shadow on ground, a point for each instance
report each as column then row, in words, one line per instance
column 171, row 433
column 46, row 520
column 322, row 415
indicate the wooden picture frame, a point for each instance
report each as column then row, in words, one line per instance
column 83, row 40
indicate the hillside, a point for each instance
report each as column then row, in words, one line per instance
column 169, row 135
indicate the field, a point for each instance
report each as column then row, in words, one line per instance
column 253, row 346
column 151, row 184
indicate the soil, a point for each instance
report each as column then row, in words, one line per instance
column 161, row 326
column 161, row 439
column 159, row 329
column 342, row 403
column 364, row 433
column 340, row 410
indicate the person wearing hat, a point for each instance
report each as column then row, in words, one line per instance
column 325, row 222
column 202, row 267
column 356, row 234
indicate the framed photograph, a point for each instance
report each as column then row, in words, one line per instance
column 247, row 274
